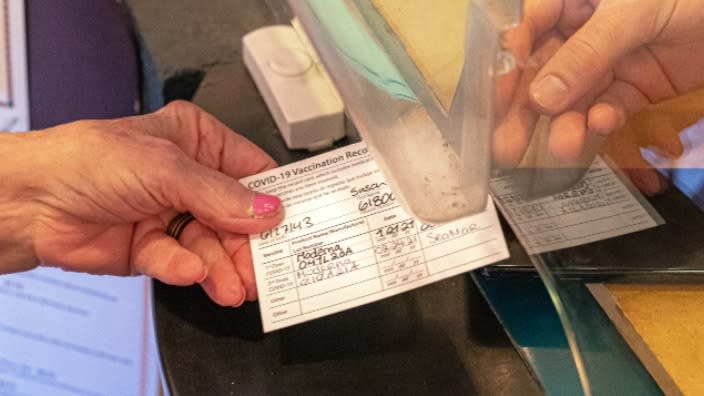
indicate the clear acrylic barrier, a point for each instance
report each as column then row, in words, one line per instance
column 670, row 256
column 409, row 108
column 429, row 124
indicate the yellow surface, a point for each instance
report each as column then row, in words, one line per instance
column 670, row 321
column 658, row 124
column 433, row 34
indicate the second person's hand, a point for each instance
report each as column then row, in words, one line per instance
column 590, row 64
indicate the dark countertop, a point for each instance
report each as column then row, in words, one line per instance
column 440, row 339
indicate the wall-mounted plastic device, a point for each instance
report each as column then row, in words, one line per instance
column 303, row 102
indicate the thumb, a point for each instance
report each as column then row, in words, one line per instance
column 615, row 29
column 214, row 198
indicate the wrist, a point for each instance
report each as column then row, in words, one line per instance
column 18, row 192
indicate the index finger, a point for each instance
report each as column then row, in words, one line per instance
column 205, row 139
column 540, row 17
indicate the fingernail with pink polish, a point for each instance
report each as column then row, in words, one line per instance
column 264, row 205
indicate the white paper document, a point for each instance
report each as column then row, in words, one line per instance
column 14, row 90
column 345, row 240
column 70, row 334
column 599, row 207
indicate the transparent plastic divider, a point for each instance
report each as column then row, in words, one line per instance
column 436, row 159
column 670, row 254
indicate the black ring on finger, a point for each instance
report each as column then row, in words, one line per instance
column 178, row 223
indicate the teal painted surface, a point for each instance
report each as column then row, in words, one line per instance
column 359, row 48
column 523, row 306
column 611, row 366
